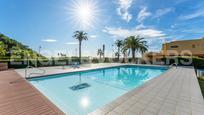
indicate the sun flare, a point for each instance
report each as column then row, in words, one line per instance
column 84, row 13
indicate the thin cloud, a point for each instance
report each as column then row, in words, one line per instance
column 143, row 14
column 161, row 12
column 193, row 31
column 49, row 40
column 140, row 26
column 123, row 33
column 93, row 36
column 196, row 14
column 123, row 8
column 152, row 36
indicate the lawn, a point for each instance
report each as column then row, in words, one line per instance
column 201, row 82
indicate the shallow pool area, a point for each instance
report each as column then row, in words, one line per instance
column 99, row 87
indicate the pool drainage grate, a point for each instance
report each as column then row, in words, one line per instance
column 80, row 86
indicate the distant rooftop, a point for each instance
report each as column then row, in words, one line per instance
column 186, row 40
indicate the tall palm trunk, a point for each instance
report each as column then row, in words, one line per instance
column 79, row 52
column 118, row 53
column 100, row 55
column 133, row 55
column 123, row 57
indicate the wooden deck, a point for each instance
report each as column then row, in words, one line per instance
column 18, row 97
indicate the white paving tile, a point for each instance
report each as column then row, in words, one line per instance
column 175, row 92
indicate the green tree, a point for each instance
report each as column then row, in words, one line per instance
column 135, row 44
column 118, row 43
column 15, row 49
column 100, row 53
column 16, row 53
column 2, row 49
column 125, row 51
column 80, row 36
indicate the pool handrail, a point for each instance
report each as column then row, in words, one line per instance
column 173, row 64
column 29, row 75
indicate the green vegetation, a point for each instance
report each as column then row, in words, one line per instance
column 197, row 62
column 201, row 82
column 80, row 36
column 2, row 49
column 12, row 49
column 95, row 60
column 133, row 44
column 107, row 60
column 119, row 44
column 100, row 52
column 18, row 55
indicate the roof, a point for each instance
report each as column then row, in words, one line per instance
column 190, row 40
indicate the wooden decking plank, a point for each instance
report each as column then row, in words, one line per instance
column 21, row 98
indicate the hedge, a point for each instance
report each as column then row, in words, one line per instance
column 198, row 63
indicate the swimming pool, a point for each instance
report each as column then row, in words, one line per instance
column 98, row 87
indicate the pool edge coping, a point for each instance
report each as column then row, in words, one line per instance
column 96, row 68
column 126, row 95
column 120, row 97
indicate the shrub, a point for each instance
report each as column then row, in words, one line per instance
column 74, row 59
column 95, row 60
column 106, row 60
column 182, row 61
column 198, row 63
column 201, row 82
column 85, row 60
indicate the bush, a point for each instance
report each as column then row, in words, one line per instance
column 198, row 63
column 40, row 63
column 95, row 60
column 74, row 59
column 181, row 61
column 106, row 60
column 85, row 60
column 115, row 59
column 201, row 82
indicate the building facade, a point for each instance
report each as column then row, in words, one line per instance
column 177, row 48
column 184, row 48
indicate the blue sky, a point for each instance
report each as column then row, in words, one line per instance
column 51, row 23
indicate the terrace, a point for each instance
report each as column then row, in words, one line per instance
column 175, row 92
column 93, row 57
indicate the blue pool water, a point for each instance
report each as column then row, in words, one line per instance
column 105, row 85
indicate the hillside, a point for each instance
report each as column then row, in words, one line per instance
column 12, row 49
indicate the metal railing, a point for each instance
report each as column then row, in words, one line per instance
column 29, row 75
column 173, row 64
column 199, row 72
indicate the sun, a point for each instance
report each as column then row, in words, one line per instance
column 84, row 13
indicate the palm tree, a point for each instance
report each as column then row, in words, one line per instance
column 100, row 52
column 104, row 48
column 135, row 44
column 118, row 43
column 80, row 35
column 125, row 51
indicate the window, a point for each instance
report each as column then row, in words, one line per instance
column 193, row 46
column 174, row 46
